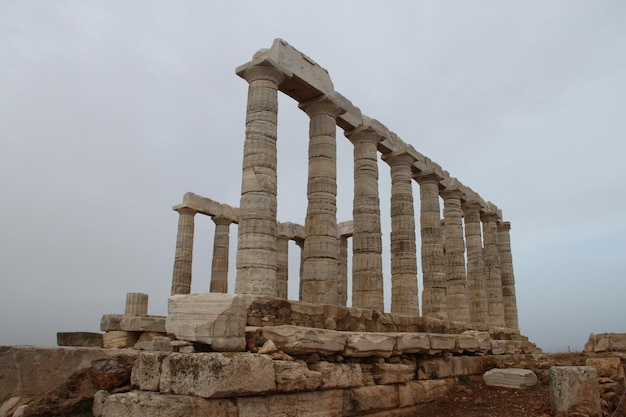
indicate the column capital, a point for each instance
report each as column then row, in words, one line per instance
column 183, row 209
column 364, row 134
column 452, row 193
column 259, row 72
column 427, row 177
column 321, row 105
column 221, row 220
column 398, row 158
column 489, row 216
column 469, row 205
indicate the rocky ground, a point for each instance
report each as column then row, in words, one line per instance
column 475, row 399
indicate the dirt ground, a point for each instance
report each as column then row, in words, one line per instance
column 475, row 399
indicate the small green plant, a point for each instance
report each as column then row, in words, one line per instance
column 464, row 379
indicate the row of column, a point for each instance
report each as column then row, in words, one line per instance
column 480, row 295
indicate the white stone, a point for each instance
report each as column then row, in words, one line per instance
column 361, row 345
column 296, row 340
column 574, row 389
column 510, row 377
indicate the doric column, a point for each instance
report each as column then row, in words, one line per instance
column 404, row 291
column 454, row 255
column 282, row 263
column 181, row 280
column 219, row 266
column 342, row 270
column 477, row 291
column 319, row 272
column 367, row 263
column 256, row 247
column 491, row 256
column 136, row 304
column 434, row 293
column 509, row 299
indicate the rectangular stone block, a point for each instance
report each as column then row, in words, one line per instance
column 419, row 392
column 360, row 345
column 444, row 342
column 467, row 365
column 213, row 375
column 296, row 376
column 364, row 400
column 436, row 368
column 339, row 375
column 392, row 373
column 295, row 340
column 413, row 343
column 607, row 367
column 118, row 339
column 150, row 404
column 510, row 378
column 80, row 339
column 574, row 389
column 328, row 403
column 146, row 372
column 121, row 322
column 215, row 319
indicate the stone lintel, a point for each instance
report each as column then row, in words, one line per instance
column 292, row 231
column 398, row 154
column 345, row 229
column 427, row 176
column 451, row 189
column 370, row 127
column 327, row 102
column 393, row 143
column 209, row 207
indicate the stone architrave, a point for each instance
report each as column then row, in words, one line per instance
column 509, row 299
column 321, row 244
column 219, row 267
column 282, row 266
column 256, row 248
column 434, row 293
column 491, row 257
column 454, row 255
column 404, row 289
column 367, row 263
column 477, row 291
column 181, row 280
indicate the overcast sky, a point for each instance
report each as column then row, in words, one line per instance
column 111, row 110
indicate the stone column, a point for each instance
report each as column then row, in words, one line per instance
column 477, row 291
column 434, row 293
column 181, row 280
column 256, row 247
column 367, row 263
column 342, row 270
column 491, row 256
column 221, row 243
column 454, row 255
column 136, row 304
column 509, row 299
column 319, row 270
column 404, row 291
column 282, row 263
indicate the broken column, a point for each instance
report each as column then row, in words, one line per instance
column 404, row 291
column 454, row 254
column 434, row 292
column 509, row 299
column 367, row 269
column 256, row 249
column 476, row 289
column 136, row 304
column 219, row 267
column 491, row 258
column 181, row 280
column 319, row 270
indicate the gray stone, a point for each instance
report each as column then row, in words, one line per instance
column 296, row 376
column 510, row 377
column 338, row 375
column 79, row 339
column 574, row 389
column 296, row 340
column 147, row 371
column 215, row 319
column 121, row 322
column 213, row 375
column 361, row 345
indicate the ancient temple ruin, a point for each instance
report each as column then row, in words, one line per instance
column 480, row 291
column 317, row 356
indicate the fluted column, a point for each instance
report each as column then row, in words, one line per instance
column 282, row 263
column 454, row 255
column 219, row 266
column 319, row 272
column 367, row 263
column 136, row 304
column 181, row 279
column 434, row 293
column 256, row 253
column 477, row 291
column 493, row 279
column 342, row 269
column 404, row 291
column 509, row 300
